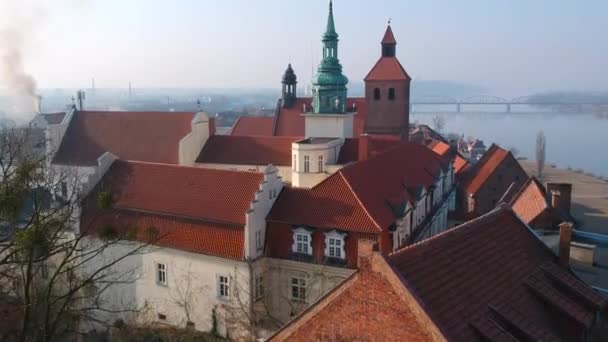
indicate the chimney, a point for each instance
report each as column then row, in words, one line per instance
column 565, row 237
column 365, row 251
column 561, row 196
column 364, row 141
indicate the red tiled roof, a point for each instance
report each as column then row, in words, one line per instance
column 218, row 196
column 53, row 118
column 387, row 69
column 290, row 121
column 530, row 201
column 460, row 164
column 484, row 168
column 190, row 235
column 355, row 198
column 247, row 150
column 377, row 144
column 441, row 148
column 330, row 204
column 486, row 271
column 143, row 136
column 252, row 126
column 389, row 38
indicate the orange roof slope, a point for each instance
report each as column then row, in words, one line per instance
column 355, row 198
column 484, row 168
column 495, row 270
column 253, row 126
column 387, row 69
column 530, row 201
column 190, row 235
column 144, row 136
column 247, row 150
column 218, row 196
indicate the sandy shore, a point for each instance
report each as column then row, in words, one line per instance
column 589, row 196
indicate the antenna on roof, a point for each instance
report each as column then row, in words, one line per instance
column 80, row 95
column 130, row 90
column 92, row 85
column 198, row 103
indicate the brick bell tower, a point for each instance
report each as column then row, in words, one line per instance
column 387, row 93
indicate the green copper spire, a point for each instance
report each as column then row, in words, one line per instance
column 330, row 32
column 329, row 84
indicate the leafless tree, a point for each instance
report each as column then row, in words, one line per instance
column 541, row 149
column 438, row 123
column 52, row 284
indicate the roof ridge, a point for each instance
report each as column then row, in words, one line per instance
column 135, row 112
column 359, row 200
column 495, row 212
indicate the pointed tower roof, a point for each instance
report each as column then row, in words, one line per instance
column 389, row 38
column 330, row 31
column 289, row 77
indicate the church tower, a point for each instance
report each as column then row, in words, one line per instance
column 387, row 93
column 329, row 84
column 289, row 87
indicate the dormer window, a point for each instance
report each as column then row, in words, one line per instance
column 302, row 241
column 334, row 245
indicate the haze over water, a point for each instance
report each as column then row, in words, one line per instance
column 576, row 140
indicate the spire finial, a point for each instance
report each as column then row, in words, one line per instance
column 330, row 32
column 389, row 21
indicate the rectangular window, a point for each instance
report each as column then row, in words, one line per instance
column 259, row 243
column 306, row 164
column 295, row 162
column 161, row 274
column 223, row 287
column 302, row 241
column 335, row 248
column 259, row 287
column 320, row 163
column 391, row 93
column 298, row 289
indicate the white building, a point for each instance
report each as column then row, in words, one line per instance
column 202, row 230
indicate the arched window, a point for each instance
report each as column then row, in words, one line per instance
column 391, row 93
column 376, row 93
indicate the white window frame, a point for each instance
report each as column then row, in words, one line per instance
column 305, row 241
column 259, row 241
column 306, row 164
column 223, row 286
column 320, row 162
column 300, row 283
column 295, row 162
column 334, row 244
column 161, row 273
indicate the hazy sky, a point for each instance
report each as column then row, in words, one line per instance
column 508, row 46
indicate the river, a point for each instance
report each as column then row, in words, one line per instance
column 576, row 140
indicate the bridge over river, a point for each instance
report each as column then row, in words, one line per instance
column 508, row 105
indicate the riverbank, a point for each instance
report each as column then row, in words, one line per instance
column 589, row 195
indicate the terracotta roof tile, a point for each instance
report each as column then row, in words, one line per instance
column 387, row 69
column 190, row 235
column 484, row 168
column 330, row 204
column 378, row 144
column 354, row 199
column 530, row 201
column 389, row 37
column 218, row 196
column 247, row 150
column 482, row 270
column 253, row 126
column 143, row 136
